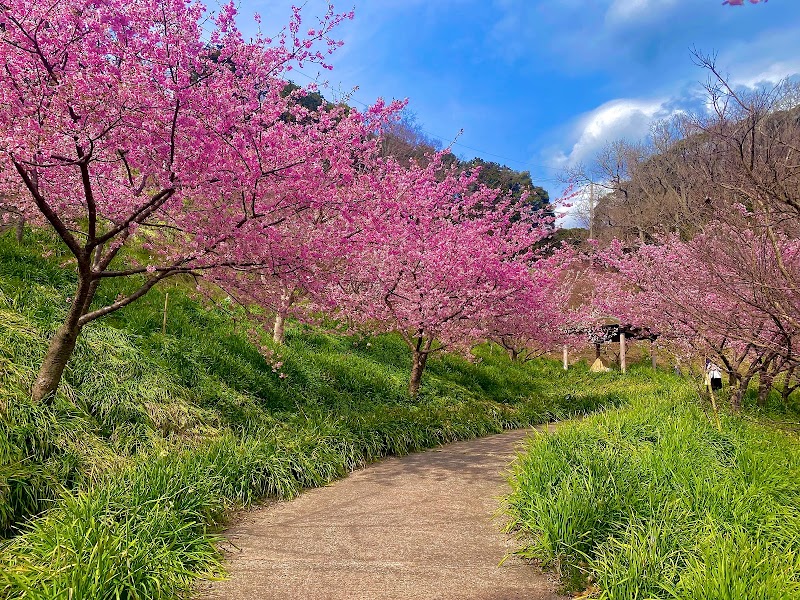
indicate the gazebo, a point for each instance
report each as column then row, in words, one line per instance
column 615, row 333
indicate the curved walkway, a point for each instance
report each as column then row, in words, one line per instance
column 419, row 526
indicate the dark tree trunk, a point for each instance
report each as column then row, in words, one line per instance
column 733, row 379
column 20, row 230
column 418, row 360
column 736, row 397
column 58, row 354
column 513, row 354
column 63, row 343
column 786, row 390
column 764, row 387
column 738, row 391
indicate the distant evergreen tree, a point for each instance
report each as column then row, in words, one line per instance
column 517, row 183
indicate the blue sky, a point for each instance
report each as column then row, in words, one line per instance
column 540, row 85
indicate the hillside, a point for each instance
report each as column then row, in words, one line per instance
column 154, row 438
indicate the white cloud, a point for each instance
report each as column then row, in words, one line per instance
column 767, row 58
column 627, row 10
column 631, row 118
column 624, row 118
column 758, row 74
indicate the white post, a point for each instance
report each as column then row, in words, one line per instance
column 653, row 355
column 566, row 357
column 623, row 365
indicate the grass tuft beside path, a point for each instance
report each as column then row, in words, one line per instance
column 651, row 501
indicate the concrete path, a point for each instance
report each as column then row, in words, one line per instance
column 420, row 526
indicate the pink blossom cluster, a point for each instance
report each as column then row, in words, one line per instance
column 155, row 140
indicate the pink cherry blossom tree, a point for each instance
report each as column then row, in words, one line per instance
column 296, row 263
column 435, row 258
column 720, row 295
column 539, row 318
column 295, row 260
column 153, row 124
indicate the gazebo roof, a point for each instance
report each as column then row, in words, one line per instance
column 610, row 333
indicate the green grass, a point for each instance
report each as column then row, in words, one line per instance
column 116, row 490
column 651, row 501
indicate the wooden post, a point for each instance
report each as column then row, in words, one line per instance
column 566, row 357
column 164, row 324
column 623, row 365
column 653, row 355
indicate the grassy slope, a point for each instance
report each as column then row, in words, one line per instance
column 113, row 492
column 652, row 501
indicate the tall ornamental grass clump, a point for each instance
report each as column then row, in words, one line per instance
column 653, row 502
